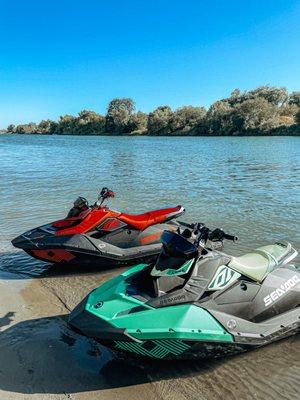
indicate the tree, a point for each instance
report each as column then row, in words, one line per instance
column 298, row 119
column 89, row 123
column 235, row 93
column 186, row 118
column 118, row 115
column 219, row 118
column 31, row 127
column 295, row 98
column 138, row 123
column 66, row 125
column 255, row 114
column 11, row 128
column 274, row 95
column 159, row 121
column 288, row 111
column 46, row 127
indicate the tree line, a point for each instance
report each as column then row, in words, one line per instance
column 263, row 111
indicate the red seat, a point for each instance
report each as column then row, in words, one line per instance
column 143, row 221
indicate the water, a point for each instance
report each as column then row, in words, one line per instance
column 249, row 186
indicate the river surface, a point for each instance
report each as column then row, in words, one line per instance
column 249, row 186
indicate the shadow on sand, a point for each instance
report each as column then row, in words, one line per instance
column 45, row 355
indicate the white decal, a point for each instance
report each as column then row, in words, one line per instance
column 223, row 277
column 284, row 288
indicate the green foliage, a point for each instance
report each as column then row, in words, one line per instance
column 118, row 116
column 86, row 123
column 264, row 110
column 256, row 111
column 256, row 114
column 219, row 118
column 295, row 98
column 89, row 123
column 11, row 128
column 66, row 124
column 277, row 96
column 159, row 121
column 137, row 123
column 186, row 118
column 26, row 128
column 298, row 118
column 47, row 127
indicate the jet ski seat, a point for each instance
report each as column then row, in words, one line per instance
column 260, row 261
column 143, row 221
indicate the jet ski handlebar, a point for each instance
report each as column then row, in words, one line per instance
column 219, row 234
column 230, row 237
column 201, row 233
column 104, row 194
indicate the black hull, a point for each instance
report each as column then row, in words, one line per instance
column 81, row 250
column 83, row 260
column 197, row 350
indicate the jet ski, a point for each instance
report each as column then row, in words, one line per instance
column 195, row 302
column 96, row 235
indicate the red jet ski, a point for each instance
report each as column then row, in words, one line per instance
column 96, row 235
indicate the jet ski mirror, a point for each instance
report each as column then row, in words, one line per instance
column 105, row 194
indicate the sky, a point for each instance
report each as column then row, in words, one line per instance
column 59, row 57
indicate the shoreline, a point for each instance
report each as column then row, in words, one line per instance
column 296, row 134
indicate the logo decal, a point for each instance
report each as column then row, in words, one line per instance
column 223, row 277
column 180, row 297
column 283, row 289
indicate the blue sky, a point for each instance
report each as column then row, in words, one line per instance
column 58, row 57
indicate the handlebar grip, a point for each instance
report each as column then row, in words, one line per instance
column 231, row 237
column 191, row 226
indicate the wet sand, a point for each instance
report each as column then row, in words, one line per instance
column 41, row 358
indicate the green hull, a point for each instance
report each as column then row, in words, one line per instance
column 153, row 332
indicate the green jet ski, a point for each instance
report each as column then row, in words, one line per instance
column 195, row 302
